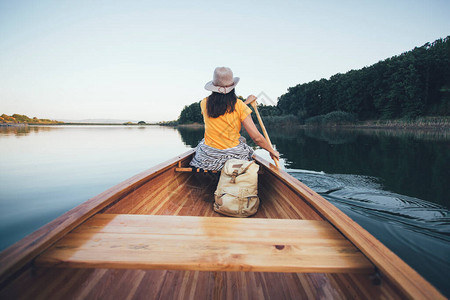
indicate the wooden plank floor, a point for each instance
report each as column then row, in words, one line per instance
column 206, row 244
column 57, row 283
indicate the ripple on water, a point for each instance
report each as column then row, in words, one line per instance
column 364, row 194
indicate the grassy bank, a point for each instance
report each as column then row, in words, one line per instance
column 346, row 120
column 422, row 122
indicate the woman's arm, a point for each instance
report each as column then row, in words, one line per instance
column 258, row 138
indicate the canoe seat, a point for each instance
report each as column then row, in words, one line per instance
column 206, row 244
column 180, row 168
column 194, row 170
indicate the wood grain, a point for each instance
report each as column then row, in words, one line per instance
column 206, row 244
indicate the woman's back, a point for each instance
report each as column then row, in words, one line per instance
column 223, row 132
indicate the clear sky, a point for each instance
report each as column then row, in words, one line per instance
column 145, row 60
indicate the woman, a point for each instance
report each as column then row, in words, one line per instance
column 223, row 114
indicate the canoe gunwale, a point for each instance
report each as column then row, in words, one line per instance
column 14, row 258
column 389, row 265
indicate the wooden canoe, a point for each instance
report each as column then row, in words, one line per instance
column 156, row 235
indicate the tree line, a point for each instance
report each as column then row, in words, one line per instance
column 18, row 119
column 414, row 83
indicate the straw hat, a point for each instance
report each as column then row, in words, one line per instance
column 223, row 81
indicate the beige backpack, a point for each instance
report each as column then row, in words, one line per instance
column 237, row 192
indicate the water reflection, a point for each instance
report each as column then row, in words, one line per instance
column 331, row 136
column 403, row 163
column 191, row 136
column 24, row 130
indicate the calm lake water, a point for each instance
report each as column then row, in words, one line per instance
column 396, row 184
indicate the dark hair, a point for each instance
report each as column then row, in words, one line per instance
column 219, row 104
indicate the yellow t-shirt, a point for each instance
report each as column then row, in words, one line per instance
column 223, row 132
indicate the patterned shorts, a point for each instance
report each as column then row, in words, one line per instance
column 209, row 158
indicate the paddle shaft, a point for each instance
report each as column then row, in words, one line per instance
column 264, row 129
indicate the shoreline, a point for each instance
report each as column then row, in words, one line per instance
column 388, row 124
column 71, row 124
column 353, row 126
column 385, row 126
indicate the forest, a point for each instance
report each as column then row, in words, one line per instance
column 410, row 85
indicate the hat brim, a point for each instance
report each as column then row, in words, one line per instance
column 220, row 89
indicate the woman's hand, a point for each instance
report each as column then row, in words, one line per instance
column 275, row 155
column 250, row 98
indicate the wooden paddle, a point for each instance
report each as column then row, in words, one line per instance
column 255, row 107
